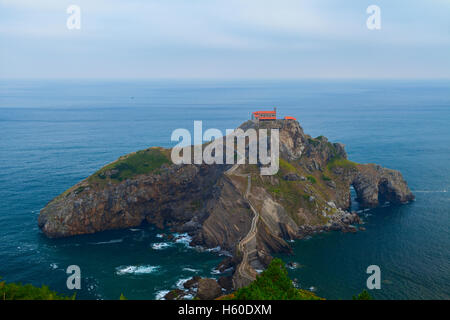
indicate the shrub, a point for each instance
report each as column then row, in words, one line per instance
column 17, row 291
column 275, row 190
column 311, row 179
column 286, row 166
column 364, row 295
column 340, row 162
column 122, row 297
column 314, row 142
column 273, row 284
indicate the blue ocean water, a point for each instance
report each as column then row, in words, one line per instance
column 56, row 133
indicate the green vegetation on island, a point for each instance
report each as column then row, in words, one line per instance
column 340, row 162
column 131, row 165
column 292, row 194
column 311, row 179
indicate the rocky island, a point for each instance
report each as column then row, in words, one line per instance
column 234, row 207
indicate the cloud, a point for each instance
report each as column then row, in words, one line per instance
column 234, row 36
column 230, row 24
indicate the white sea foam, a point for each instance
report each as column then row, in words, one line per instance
column 108, row 242
column 161, row 245
column 225, row 253
column 215, row 271
column 53, row 266
column 219, row 250
column 159, row 235
column 145, row 269
column 160, row 294
column 183, row 238
column 191, row 270
column 181, row 282
column 216, row 249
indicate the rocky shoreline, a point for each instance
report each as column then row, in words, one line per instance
column 344, row 221
column 202, row 289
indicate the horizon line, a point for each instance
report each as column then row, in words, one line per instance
column 224, row 79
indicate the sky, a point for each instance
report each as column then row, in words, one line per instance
column 218, row 39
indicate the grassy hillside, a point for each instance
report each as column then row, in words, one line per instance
column 131, row 165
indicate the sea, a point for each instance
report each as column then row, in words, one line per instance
column 54, row 133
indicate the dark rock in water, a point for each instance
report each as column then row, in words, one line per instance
column 175, row 294
column 351, row 229
column 226, row 283
column 355, row 218
column 225, row 264
column 375, row 185
column 335, row 227
column 192, row 282
column 208, row 289
column 292, row 265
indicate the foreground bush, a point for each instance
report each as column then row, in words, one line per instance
column 17, row 291
column 273, row 284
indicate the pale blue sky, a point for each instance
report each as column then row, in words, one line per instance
column 233, row 39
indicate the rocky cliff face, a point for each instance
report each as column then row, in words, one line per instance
column 170, row 196
column 243, row 212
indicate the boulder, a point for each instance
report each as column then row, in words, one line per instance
column 226, row 283
column 226, row 263
column 208, row 289
column 174, row 294
column 193, row 282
